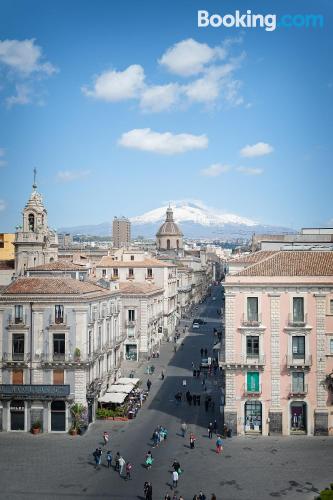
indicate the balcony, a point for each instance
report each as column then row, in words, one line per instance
column 17, row 323
column 63, row 359
column 244, row 360
column 251, row 391
column 298, row 390
column 294, row 322
column 59, row 323
column 130, row 323
column 251, row 323
column 298, row 361
column 9, row 358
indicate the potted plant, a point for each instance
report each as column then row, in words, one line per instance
column 77, row 354
column 36, row 427
column 78, row 412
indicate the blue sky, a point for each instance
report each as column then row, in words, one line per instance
column 122, row 106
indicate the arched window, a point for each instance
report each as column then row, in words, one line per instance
column 31, row 221
column 168, row 244
column 177, row 244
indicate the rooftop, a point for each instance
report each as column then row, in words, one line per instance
column 292, row 263
column 52, row 286
column 59, row 265
column 138, row 288
column 108, row 261
column 252, row 258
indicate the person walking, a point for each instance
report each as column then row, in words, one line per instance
column 183, row 428
column 96, row 458
column 210, row 430
column 155, row 438
column 122, row 464
column 105, row 437
column 148, row 490
column 148, row 384
column 176, row 466
column 219, row 444
column 201, row 496
column 99, row 452
column 167, row 496
column 149, row 460
column 162, row 375
column 128, row 470
column 192, row 441
column 109, row 459
column 215, row 426
column 116, row 465
column 175, row 478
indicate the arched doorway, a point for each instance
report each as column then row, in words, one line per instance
column 58, row 416
column 298, row 417
column 253, row 416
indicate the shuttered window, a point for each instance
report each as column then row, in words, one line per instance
column 18, row 377
column 58, row 377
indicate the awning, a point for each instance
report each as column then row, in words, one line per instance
column 217, row 346
column 113, row 397
column 121, row 388
column 127, row 380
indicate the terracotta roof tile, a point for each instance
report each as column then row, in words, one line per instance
column 59, row 265
column 138, row 288
column 293, row 263
column 50, row 286
column 253, row 258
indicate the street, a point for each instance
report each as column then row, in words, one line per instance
column 50, row 466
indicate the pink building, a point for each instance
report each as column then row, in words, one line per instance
column 278, row 353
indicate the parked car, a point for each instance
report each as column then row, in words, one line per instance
column 195, row 325
column 204, row 363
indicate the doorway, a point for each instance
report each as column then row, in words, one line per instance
column 58, row 416
column 298, row 417
column 253, row 416
column 17, row 413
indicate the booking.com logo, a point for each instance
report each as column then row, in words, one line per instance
column 268, row 21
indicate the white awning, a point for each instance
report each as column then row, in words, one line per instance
column 217, row 346
column 121, row 388
column 113, row 397
column 127, row 380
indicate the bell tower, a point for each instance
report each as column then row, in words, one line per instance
column 35, row 243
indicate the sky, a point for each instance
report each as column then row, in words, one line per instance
column 124, row 105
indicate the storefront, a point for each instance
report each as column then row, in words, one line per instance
column 131, row 352
column 24, row 405
column 253, row 416
column 298, row 417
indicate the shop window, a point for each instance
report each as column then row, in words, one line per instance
column 252, row 346
column 17, row 377
column 59, row 314
column 18, row 347
column 58, row 377
column 18, row 314
column 59, row 346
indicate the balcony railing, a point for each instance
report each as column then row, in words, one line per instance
column 130, row 323
column 298, row 390
column 17, row 322
column 8, row 357
column 243, row 360
column 253, row 322
column 251, row 391
column 62, row 359
column 295, row 322
column 58, row 322
column 298, row 360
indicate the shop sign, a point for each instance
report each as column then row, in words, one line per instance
column 34, row 391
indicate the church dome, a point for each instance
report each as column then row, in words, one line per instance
column 169, row 227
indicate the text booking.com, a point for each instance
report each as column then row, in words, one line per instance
column 267, row 21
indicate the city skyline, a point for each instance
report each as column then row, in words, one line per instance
column 141, row 111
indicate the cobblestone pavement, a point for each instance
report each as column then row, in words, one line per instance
column 250, row 468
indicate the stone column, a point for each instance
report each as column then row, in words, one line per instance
column 321, row 412
column 275, row 411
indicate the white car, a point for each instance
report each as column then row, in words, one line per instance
column 195, row 325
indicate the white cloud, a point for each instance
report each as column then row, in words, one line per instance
column 207, row 88
column 250, row 170
column 118, row 85
column 159, row 97
column 71, row 175
column 215, row 170
column 22, row 96
column 189, row 57
column 259, row 149
column 24, row 56
column 2, row 205
column 163, row 143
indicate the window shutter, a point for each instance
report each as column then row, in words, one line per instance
column 58, row 377
column 18, row 377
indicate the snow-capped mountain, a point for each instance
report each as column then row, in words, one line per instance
column 195, row 220
column 196, row 213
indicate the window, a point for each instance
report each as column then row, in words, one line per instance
column 149, row 272
column 115, row 273
column 18, row 314
column 59, row 314
column 131, row 272
column 100, row 337
column 18, row 347
column 331, row 306
column 58, row 377
column 31, row 222
column 168, row 244
column 132, row 257
column 252, row 309
column 331, row 346
column 297, row 382
column 252, row 346
column 131, row 315
column 103, row 273
column 298, row 346
column 18, row 377
column 89, row 342
column 252, row 381
column 130, row 332
column 59, row 346
column 298, row 309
